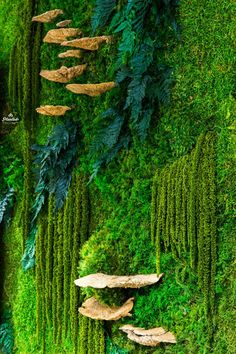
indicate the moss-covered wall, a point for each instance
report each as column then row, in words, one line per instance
column 125, row 217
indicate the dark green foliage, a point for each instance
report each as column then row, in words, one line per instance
column 102, row 12
column 109, row 140
column 6, row 333
column 54, row 163
column 144, row 79
column 185, row 218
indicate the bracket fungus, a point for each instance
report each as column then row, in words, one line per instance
column 88, row 43
column 73, row 53
column 91, row 89
column 150, row 337
column 49, row 110
column 101, row 281
column 64, row 74
column 48, row 16
column 63, row 23
column 59, row 35
column 92, row 308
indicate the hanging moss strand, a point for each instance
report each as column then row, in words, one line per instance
column 193, row 207
column 49, row 259
column 154, row 208
column 60, row 276
column 54, row 280
column 66, row 264
column 74, row 291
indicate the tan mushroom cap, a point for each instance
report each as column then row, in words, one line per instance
column 91, row 89
column 59, row 35
column 49, row 110
column 73, row 53
column 101, row 281
column 63, row 23
column 64, row 74
column 150, row 337
column 48, row 16
column 88, row 43
column 92, row 308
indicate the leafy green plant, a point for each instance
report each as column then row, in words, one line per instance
column 6, row 334
column 144, row 79
column 102, row 12
column 54, row 164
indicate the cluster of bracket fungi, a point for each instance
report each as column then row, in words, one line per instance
column 60, row 36
column 92, row 308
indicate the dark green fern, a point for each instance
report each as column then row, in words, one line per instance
column 6, row 334
column 102, row 12
column 145, row 27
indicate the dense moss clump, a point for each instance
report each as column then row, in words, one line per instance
column 184, row 214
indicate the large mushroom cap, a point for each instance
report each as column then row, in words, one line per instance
column 48, row 16
column 101, row 281
column 93, row 309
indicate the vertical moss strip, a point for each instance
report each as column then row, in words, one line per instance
column 185, row 208
column 66, row 261
column 54, row 280
column 193, row 207
column 74, row 290
column 60, row 277
column 154, row 208
column 49, row 259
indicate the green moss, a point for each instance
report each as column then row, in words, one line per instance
column 49, row 259
column 200, row 212
column 202, row 99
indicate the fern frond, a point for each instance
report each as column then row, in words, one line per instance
column 6, row 334
column 54, row 164
column 109, row 135
column 106, row 157
column 102, row 12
